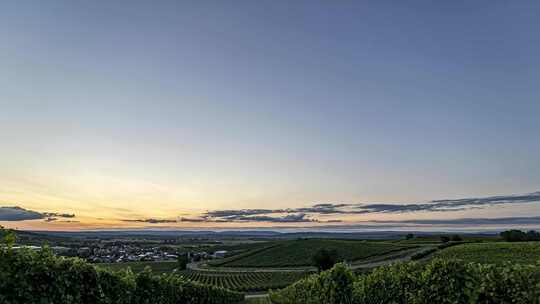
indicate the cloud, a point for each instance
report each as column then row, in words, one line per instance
column 533, row 220
column 56, row 214
column 290, row 218
column 20, row 214
column 451, row 205
column 240, row 212
column 260, row 215
column 151, row 221
column 233, row 217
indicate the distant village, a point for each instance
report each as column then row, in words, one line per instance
column 120, row 253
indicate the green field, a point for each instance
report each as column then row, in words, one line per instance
column 245, row 281
column 157, row 267
column 494, row 253
column 299, row 252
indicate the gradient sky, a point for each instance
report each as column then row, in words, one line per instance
column 157, row 109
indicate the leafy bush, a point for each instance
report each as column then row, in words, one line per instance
column 440, row 281
column 444, row 281
column 330, row 287
column 41, row 277
column 389, row 284
column 512, row 283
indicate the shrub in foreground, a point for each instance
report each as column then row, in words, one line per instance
column 387, row 284
column 41, row 277
column 331, row 286
column 440, row 281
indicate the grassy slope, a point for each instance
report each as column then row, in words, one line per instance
column 495, row 253
column 299, row 252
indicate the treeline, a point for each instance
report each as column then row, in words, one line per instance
column 440, row 281
column 41, row 277
column 520, row 236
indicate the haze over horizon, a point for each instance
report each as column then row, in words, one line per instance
column 260, row 114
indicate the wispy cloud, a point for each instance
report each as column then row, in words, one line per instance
column 290, row 218
column 301, row 214
column 151, row 221
column 533, row 220
column 451, row 205
column 231, row 217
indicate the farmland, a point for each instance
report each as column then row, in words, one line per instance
column 245, row 281
column 494, row 253
column 299, row 252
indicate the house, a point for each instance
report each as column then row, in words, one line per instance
column 220, row 254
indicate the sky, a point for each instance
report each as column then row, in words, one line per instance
column 123, row 114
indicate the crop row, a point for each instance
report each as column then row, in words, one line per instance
column 245, row 281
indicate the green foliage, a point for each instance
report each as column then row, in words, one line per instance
column 440, row 281
column 512, row 283
column 389, row 284
column 331, row 287
column 445, row 239
column 409, row 236
column 43, row 278
column 7, row 237
column 324, row 259
column 443, row 281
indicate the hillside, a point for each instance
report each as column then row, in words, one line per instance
column 299, row 252
column 494, row 253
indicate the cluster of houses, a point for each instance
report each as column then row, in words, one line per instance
column 130, row 253
column 124, row 253
column 120, row 253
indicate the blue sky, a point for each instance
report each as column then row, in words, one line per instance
column 147, row 109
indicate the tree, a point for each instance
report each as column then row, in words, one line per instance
column 409, row 236
column 520, row 236
column 324, row 259
column 7, row 237
column 182, row 261
column 456, row 238
column 445, row 239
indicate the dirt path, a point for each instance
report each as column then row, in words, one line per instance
column 199, row 267
column 390, row 259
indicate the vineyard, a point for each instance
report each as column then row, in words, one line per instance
column 245, row 281
column 299, row 252
column 495, row 253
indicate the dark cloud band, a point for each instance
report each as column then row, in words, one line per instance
column 363, row 208
column 20, row 214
